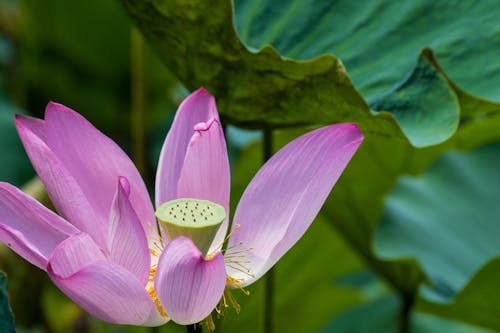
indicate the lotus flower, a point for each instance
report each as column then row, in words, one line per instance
column 105, row 251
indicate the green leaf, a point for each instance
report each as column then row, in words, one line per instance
column 7, row 318
column 380, row 311
column 252, row 89
column 263, row 88
column 382, row 315
column 15, row 167
column 477, row 302
column 447, row 218
column 415, row 101
column 379, row 41
column 378, row 316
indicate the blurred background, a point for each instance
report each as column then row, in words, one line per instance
column 88, row 56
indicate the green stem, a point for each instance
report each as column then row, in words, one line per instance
column 269, row 278
column 137, row 96
column 267, row 146
column 405, row 315
column 194, row 328
column 82, row 324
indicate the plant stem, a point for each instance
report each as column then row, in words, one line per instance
column 405, row 315
column 82, row 324
column 194, row 328
column 267, row 146
column 137, row 98
column 269, row 301
column 267, row 149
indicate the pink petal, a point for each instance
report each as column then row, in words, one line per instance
column 65, row 193
column 286, row 195
column 29, row 228
column 199, row 107
column 189, row 286
column 102, row 288
column 95, row 162
column 34, row 125
column 205, row 174
column 127, row 243
column 75, row 252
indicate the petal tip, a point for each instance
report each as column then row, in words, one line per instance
column 357, row 132
column 352, row 130
column 19, row 120
column 53, row 105
column 204, row 96
column 57, row 107
column 124, row 185
column 202, row 91
column 26, row 125
column 354, row 126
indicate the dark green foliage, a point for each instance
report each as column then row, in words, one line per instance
column 6, row 316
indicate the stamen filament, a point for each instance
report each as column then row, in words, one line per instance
column 242, row 270
column 209, row 322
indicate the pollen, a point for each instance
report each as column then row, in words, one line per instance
column 152, row 292
column 155, row 249
column 209, row 322
column 230, row 281
column 227, row 300
column 235, row 257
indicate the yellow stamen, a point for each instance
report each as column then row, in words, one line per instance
column 155, row 251
column 232, row 300
column 152, row 273
column 209, row 321
column 236, row 283
column 235, row 258
column 152, row 292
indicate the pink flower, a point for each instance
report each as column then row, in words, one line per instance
column 104, row 251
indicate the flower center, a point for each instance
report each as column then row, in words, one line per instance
column 197, row 219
